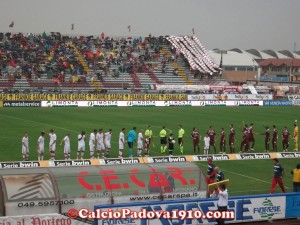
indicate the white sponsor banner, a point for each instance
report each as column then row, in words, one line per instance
column 204, row 158
column 41, row 219
column 288, row 155
column 203, row 97
column 63, row 103
column 294, row 97
column 148, row 103
column 244, row 103
column 214, row 103
column 141, row 103
column 245, row 209
column 100, row 103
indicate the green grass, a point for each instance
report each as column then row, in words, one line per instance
column 257, row 173
column 254, row 176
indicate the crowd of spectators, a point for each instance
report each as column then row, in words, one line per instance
column 53, row 56
column 122, row 55
column 77, row 59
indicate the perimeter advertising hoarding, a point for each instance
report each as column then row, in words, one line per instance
column 236, row 97
column 293, row 205
column 293, row 97
column 278, row 103
column 140, row 160
column 93, row 97
column 245, row 208
column 147, row 103
column 21, row 104
column 296, row 102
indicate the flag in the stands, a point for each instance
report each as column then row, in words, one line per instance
column 12, row 24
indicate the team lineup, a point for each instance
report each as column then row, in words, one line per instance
column 100, row 141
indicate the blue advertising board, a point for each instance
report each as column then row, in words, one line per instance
column 244, row 208
column 278, row 103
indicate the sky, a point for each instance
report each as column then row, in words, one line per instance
column 223, row 24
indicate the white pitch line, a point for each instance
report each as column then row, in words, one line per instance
column 45, row 124
column 6, row 137
column 32, row 121
column 242, row 175
column 253, row 178
column 251, row 190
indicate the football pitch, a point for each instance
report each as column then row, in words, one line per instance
column 247, row 177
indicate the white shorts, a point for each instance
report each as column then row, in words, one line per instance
column 81, row 148
column 25, row 150
column 100, row 146
column 41, row 149
column 67, row 149
column 121, row 146
column 92, row 148
column 107, row 144
column 206, row 147
column 52, row 148
column 140, row 145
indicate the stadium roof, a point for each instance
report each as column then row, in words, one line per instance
column 235, row 57
column 239, row 57
column 269, row 53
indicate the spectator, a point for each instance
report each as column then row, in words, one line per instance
column 296, row 178
column 175, row 72
column 222, row 203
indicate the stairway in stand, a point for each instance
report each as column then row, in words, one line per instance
column 154, row 78
column 95, row 83
column 176, row 66
column 135, row 80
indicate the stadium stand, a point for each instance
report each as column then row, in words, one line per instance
column 52, row 63
column 55, row 63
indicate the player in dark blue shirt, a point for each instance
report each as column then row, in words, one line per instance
column 211, row 173
column 278, row 175
column 220, row 174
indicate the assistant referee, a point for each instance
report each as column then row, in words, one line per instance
column 163, row 140
column 148, row 134
column 180, row 138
